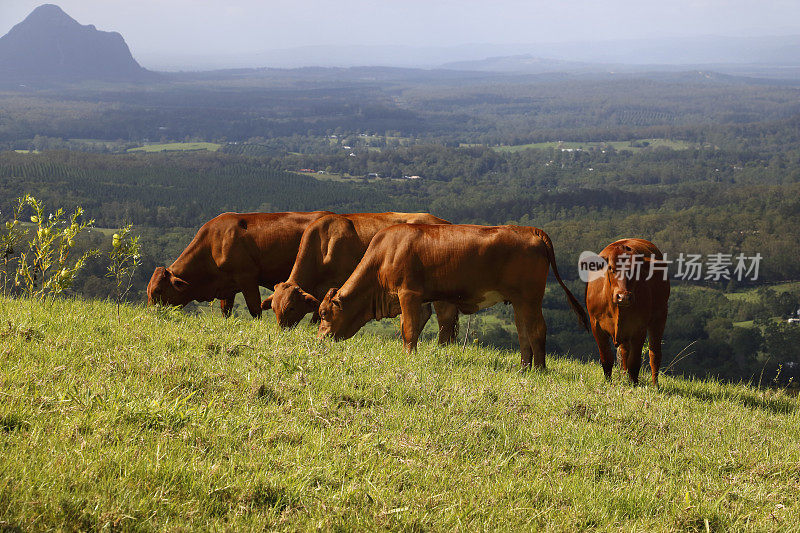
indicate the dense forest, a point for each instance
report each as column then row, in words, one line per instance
column 440, row 106
column 696, row 162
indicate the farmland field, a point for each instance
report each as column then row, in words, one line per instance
column 178, row 147
column 634, row 146
column 751, row 294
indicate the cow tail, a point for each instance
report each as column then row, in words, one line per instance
column 573, row 302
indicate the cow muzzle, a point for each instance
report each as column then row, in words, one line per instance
column 623, row 299
column 323, row 332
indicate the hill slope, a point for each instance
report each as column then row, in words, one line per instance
column 163, row 420
column 49, row 45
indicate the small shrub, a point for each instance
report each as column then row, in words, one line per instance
column 124, row 260
column 11, row 236
column 46, row 268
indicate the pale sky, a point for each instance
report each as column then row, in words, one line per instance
column 224, row 28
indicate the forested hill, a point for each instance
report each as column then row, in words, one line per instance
column 170, row 190
column 51, row 46
column 582, row 200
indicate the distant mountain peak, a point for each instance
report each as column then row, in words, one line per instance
column 49, row 45
column 50, row 13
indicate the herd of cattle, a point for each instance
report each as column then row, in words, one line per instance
column 349, row 269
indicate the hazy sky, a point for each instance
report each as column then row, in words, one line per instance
column 216, row 27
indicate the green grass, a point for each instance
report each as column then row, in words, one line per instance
column 618, row 145
column 176, row 147
column 165, row 420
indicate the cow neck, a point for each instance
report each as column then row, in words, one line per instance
column 302, row 270
column 195, row 264
column 362, row 289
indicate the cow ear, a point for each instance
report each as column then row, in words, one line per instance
column 309, row 299
column 267, row 303
column 160, row 273
column 178, row 283
column 331, row 293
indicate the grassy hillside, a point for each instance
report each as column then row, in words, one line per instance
column 162, row 420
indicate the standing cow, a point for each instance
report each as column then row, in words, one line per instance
column 472, row 267
column 626, row 303
column 330, row 250
column 231, row 253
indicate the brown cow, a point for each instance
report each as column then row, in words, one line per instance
column 233, row 252
column 624, row 306
column 329, row 251
column 472, row 267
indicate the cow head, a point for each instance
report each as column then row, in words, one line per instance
column 339, row 319
column 165, row 288
column 291, row 304
column 625, row 270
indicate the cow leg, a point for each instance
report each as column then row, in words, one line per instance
column 226, row 305
column 607, row 355
column 532, row 332
column 656, row 333
column 632, row 353
column 522, row 333
column 537, row 337
column 447, row 316
column 411, row 309
column 252, row 297
column 425, row 315
column 622, row 355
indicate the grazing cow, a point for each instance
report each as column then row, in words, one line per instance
column 233, row 252
column 472, row 267
column 625, row 306
column 330, row 250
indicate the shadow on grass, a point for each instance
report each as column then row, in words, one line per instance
column 457, row 357
column 508, row 361
column 754, row 399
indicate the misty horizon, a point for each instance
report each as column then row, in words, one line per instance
column 208, row 34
